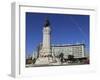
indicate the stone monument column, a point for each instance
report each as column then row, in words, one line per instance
column 45, row 51
column 45, row 56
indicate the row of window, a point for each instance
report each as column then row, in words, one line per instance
column 77, row 51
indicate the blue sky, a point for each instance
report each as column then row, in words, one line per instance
column 65, row 29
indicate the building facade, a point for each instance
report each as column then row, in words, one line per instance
column 77, row 50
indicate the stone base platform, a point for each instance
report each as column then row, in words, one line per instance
column 47, row 61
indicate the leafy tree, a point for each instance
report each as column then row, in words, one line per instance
column 70, row 57
column 61, row 56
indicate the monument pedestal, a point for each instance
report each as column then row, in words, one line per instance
column 47, row 61
column 44, row 61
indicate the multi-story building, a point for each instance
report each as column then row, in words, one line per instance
column 77, row 50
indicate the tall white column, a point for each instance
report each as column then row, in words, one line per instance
column 45, row 51
column 45, row 56
column 46, row 40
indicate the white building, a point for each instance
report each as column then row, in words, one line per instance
column 77, row 50
column 34, row 55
